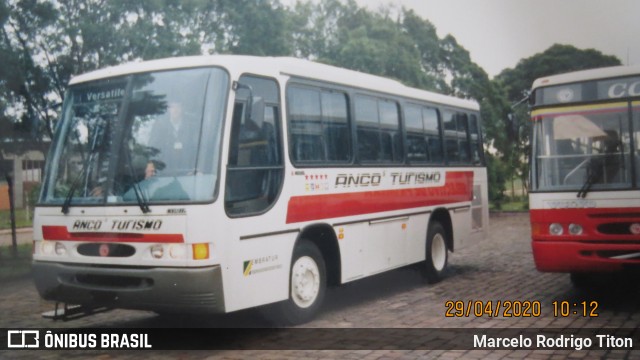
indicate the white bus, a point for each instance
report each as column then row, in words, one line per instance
column 219, row 183
column 585, row 172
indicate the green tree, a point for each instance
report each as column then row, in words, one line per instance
column 343, row 34
column 253, row 27
column 24, row 84
column 423, row 33
column 497, row 172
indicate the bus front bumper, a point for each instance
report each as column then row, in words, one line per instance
column 584, row 256
column 187, row 290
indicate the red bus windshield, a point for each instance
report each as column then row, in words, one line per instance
column 586, row 147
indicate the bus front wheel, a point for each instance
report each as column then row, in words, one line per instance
column 307, row 284
column 436, row 253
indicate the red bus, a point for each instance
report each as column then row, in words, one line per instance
column 585, row 171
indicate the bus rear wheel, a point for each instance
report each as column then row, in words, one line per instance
column 307, row 285
column 436, row 253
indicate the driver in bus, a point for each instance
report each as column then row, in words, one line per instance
column 174, row 139
column 170, row 138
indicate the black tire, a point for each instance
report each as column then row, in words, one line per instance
column 580, row 280
column 583, row 281
column 307, row 285
column 436, row 253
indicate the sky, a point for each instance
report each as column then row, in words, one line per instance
column 499, row 33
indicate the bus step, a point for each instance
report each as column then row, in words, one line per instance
column 67, row 312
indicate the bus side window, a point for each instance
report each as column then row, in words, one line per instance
column 458, row 138
column 305, row 119
column 337, row 133
column 423, row 135
column 417, row 146
column 254, row 169
column 378, row 130
column 319, row 131
column 432, row 129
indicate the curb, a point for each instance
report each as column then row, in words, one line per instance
column 18, row 231
column 508, row 213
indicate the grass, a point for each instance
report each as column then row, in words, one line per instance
column 12, row 268
column 517, row 188
column 23, row 219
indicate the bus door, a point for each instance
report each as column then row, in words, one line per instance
column 258, row 259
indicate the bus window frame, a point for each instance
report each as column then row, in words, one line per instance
column 320, row 89
column 422, row 107
column 380, row 98
column 401, row 102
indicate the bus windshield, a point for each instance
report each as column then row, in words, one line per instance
column 145, row 138
column 582, row 148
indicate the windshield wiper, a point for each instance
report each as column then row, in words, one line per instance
column 594, row 173
column 72, row 189
column 142, row 200
column 85, row 167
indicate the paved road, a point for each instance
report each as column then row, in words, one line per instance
column 500, row 268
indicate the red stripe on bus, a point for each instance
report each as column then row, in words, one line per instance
column 60, row 233
column 458, row 187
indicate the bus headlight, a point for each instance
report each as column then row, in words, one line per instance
column 60, row 249
column 47, row 247
column 157, row 251
column 575, row 229
column 177, row 251
column 555, row 229
column 635, row 228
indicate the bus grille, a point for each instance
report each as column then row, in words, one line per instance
column 106, row 250
column 621, row 228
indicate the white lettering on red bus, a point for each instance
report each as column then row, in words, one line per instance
column 619, row 90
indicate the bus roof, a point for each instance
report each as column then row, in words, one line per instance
column 276, row 66
column 585, row 75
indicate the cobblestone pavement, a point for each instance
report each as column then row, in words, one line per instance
column 499, row 268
